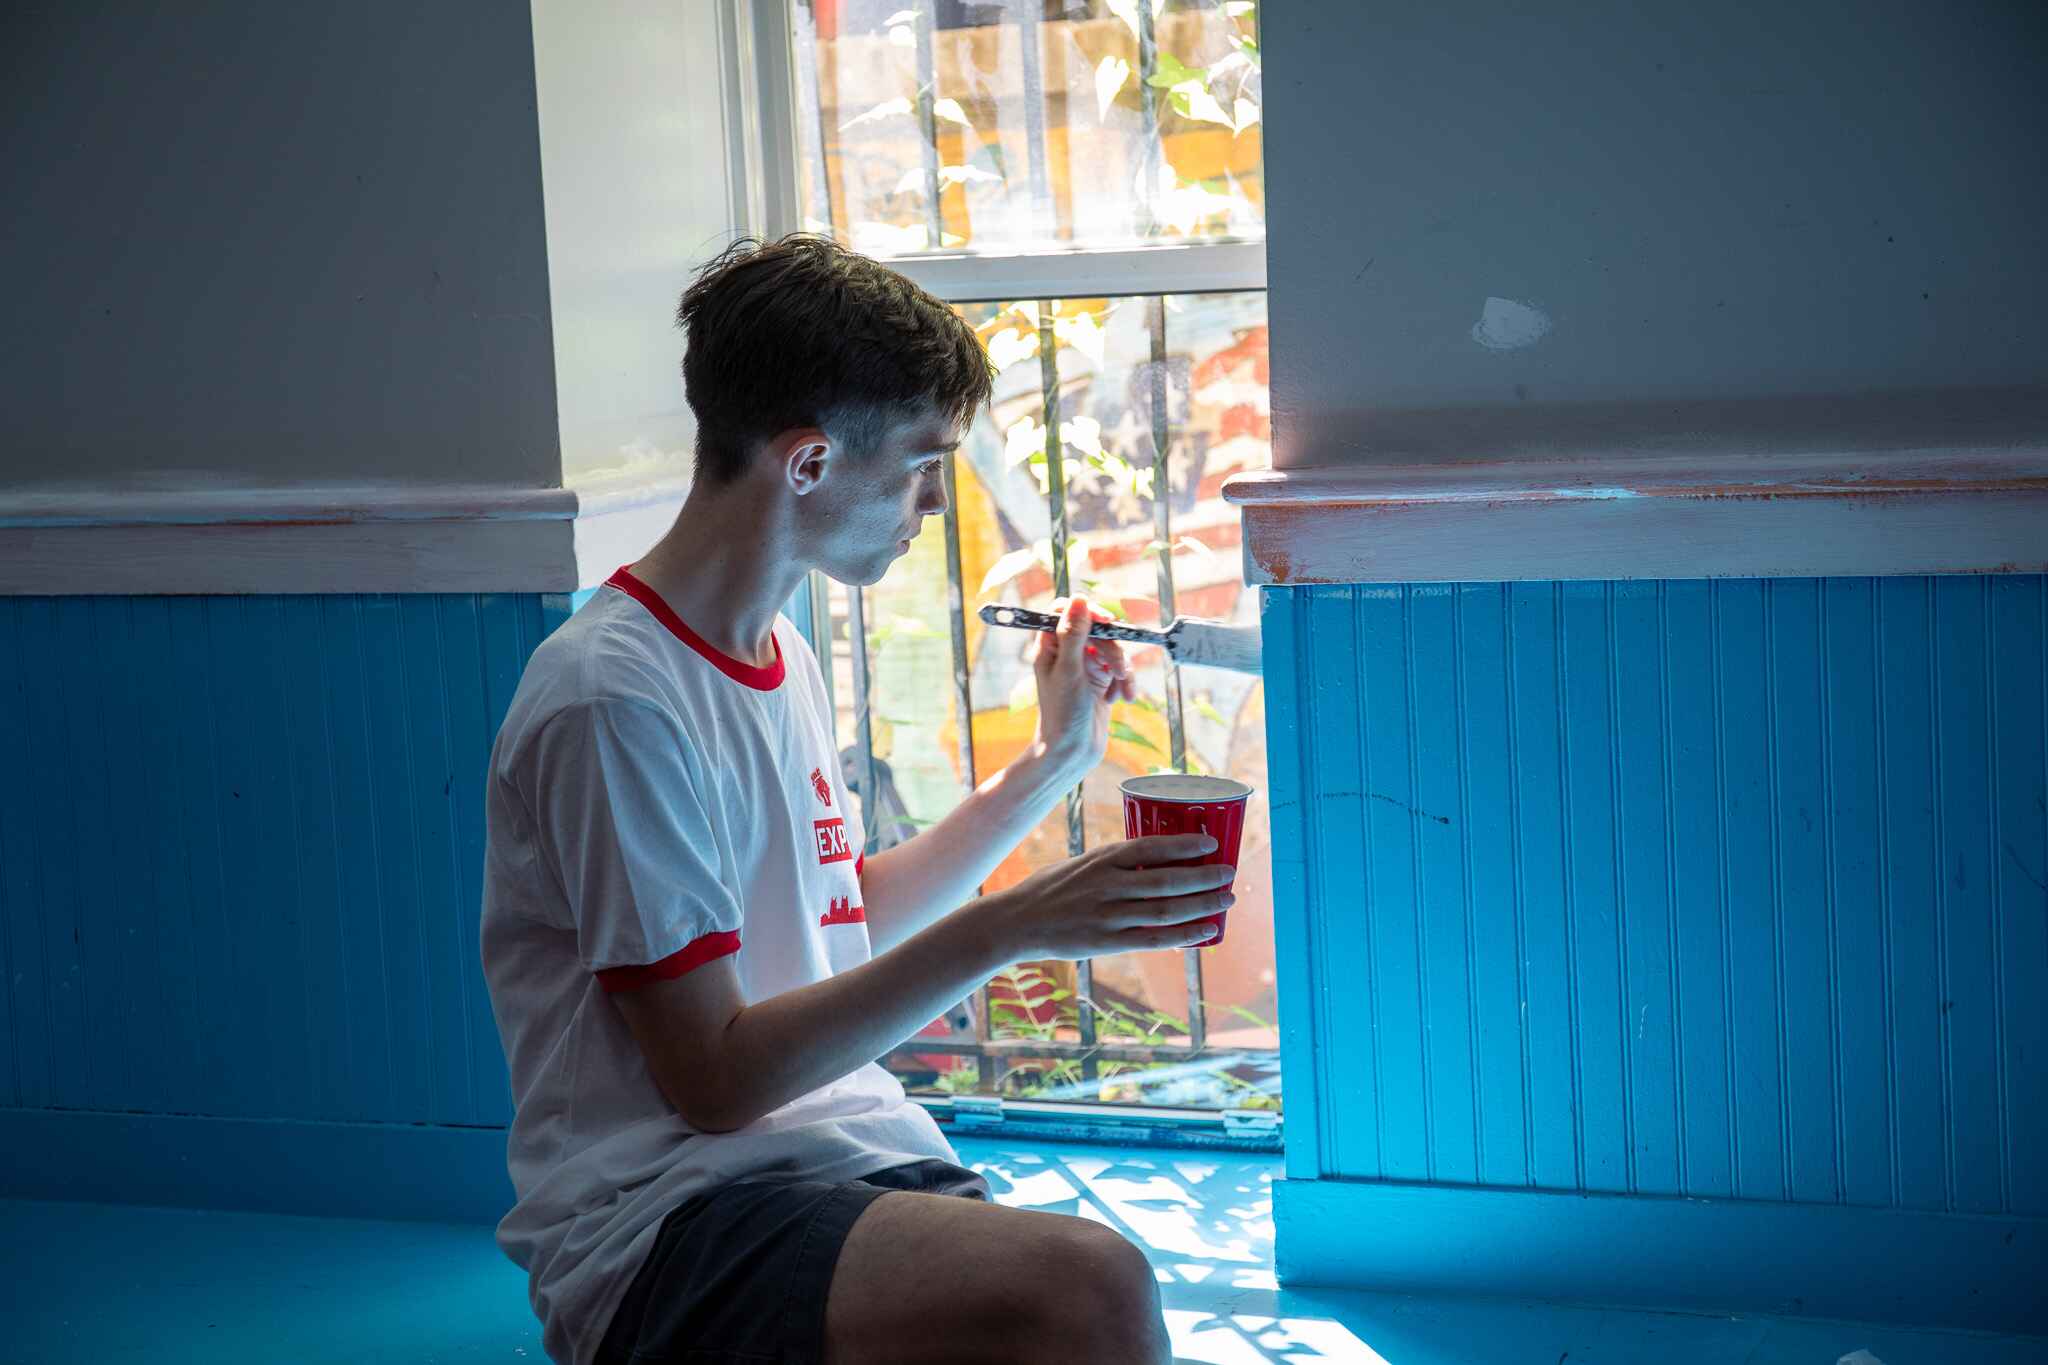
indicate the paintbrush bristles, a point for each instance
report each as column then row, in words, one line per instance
column 1215, row 645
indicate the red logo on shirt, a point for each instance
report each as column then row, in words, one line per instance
column 831, row 836
column 821, row 786
column 843, row 911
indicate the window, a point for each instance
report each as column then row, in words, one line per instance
column 1083, row 181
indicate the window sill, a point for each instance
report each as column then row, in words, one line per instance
column 1913, row 512
column 1125, row 1125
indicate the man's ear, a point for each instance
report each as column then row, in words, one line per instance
column 803, row 455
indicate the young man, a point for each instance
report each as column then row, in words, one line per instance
column 692, row 968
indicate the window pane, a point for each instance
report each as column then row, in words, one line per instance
column 1010, row 126
column 1216, row 415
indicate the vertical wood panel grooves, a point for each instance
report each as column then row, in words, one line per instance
column 40, row 897
column 409, row 789
column 1330, row 1112
column 1987, row 642
column 1831, row 894
column 438, row 1067
column 1356, row 599
column 1884, row 894
column 324, row 615
column 51, row 1087
column 83, row 872
column 1303, row 685
column 1463, row 720
column 456, row 903
column 294, row 782
column 1727, row 919
column 1943, row 996
column 209, row 1063
column 1513, row 687
column 8, row 910
column 1787, row 1173
column 1415, row 878
column 486, row 716
column 257, row 617
column 461, row 905
column 1571, row 933
column 376, row 877
column 1677, row 1012
column 1618, row 876
column 106, row 836
column 188, row 980
column 12, row 1095
column 75, row 848
column 159, row 1009
column 1311, row 784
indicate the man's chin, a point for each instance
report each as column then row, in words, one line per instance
column 866, row 576
column 868, row 573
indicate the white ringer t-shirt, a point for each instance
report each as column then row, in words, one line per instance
column 654, row 804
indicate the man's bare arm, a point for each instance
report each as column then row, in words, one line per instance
column 724, row 1063
column 912, row 886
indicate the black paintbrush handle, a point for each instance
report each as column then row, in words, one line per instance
column 1021, row 619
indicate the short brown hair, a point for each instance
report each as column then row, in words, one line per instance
column 802, row 332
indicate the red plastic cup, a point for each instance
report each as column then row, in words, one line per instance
column 1187, row 803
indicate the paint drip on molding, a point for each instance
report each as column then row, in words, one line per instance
column 1509, row 324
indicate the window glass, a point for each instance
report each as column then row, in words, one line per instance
column 1014, row 127
column 1212, row 377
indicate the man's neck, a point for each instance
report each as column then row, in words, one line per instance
column 726, row 570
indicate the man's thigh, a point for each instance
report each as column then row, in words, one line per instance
column 925, row 1278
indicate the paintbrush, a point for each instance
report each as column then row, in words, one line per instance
column 1189, row 640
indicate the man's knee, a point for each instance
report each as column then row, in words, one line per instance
column 1113, row 1301
column 930, row 1279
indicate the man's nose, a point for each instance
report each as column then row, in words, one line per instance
column 934, row 500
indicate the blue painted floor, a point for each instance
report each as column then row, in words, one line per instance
column 109, row 1283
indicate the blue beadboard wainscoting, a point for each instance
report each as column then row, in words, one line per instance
column 1666, row 942
column 1677, row 944
column 240, row 848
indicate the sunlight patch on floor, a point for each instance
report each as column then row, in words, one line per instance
column 1249, row 1339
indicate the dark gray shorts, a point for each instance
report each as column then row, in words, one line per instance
column 740, row 1273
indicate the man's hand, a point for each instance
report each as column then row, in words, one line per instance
column 912, row 886
column 1078, row 680
column 1101, row 903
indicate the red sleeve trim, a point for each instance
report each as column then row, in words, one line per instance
column 696, row 954
column 859, row 863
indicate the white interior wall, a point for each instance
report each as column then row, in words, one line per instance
column 274, row 244
column 1812, row 227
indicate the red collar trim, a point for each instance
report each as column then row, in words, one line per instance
column 761, row 679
